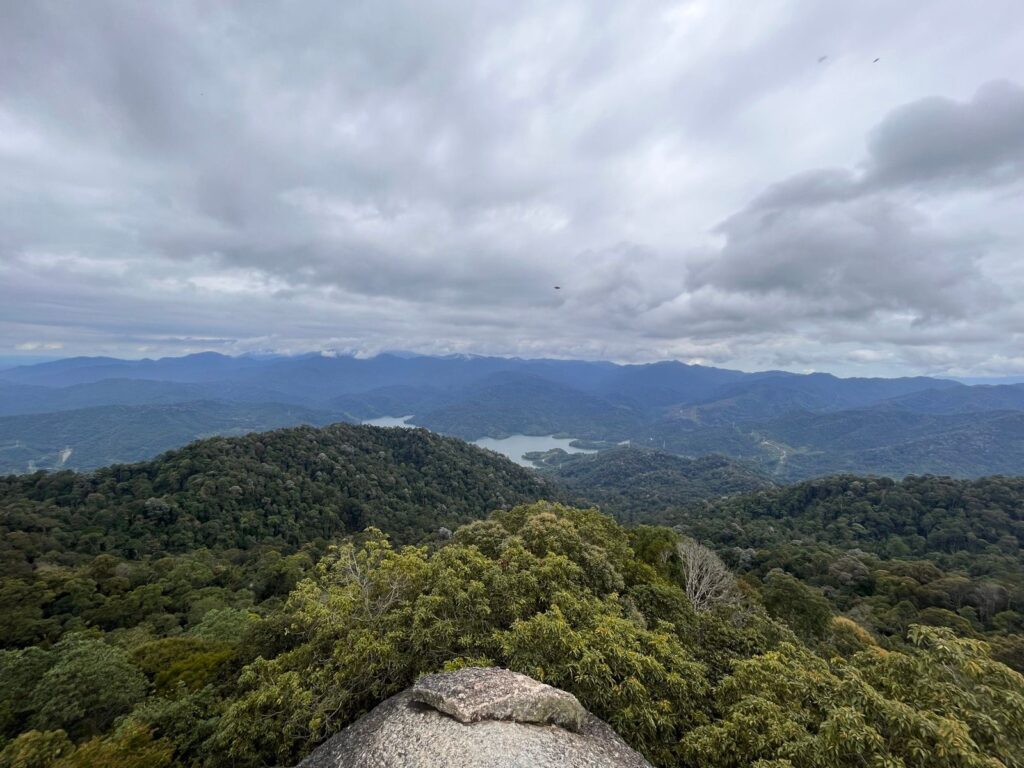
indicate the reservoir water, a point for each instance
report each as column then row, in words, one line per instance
column 513, row 446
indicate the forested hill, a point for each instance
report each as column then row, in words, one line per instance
column 209, row 608
column 633, row 483
column 924, row 550
column 284, row 488
column 913, row 517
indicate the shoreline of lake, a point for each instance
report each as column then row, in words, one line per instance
column 513, row 447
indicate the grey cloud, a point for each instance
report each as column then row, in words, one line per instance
column 928, row 141
column 399, row 175
column 808, row 188
column 851, row 258
column 937, row 139
column 852, row 245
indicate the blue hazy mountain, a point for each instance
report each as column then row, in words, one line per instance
column 952, row 400
column 789, row 425
column 87, row 438
column 16, row 399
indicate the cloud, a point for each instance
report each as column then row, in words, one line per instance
column 32, row 346
column 827, row 248
column 941, row 140
column 852, row 258
column 363, row 177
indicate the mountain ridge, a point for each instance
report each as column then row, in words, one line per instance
column 781, row 423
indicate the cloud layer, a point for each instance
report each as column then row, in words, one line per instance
column 177, row 177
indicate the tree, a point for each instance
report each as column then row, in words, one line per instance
column 36, row 749
column 89, row 684
column 20, row 672
column 224, row 624
column 706, row 580
column 131, row 746
column 942, row 703
column 545, row 598
column 804, row 608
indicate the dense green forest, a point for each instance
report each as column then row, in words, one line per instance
column 237, row 601
column 283, row 489
column 634, row 481
column 892, row 442
column 925, row 550
column 931, row 550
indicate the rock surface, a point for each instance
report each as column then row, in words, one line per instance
column 473, row 718
column 475, row 693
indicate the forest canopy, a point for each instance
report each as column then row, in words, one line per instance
column 219, row 607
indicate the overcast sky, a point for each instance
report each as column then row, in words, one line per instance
column 732, row 183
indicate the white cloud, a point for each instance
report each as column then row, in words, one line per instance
column 34, row 346
column 367, row 177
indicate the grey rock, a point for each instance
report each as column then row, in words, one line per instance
column 476, row 693
column 477, row 718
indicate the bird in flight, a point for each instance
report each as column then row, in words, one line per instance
column 821, row 59
column 558, row 287
column 876, row 61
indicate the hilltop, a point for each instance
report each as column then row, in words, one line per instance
column 636, row 482
column 288, row 488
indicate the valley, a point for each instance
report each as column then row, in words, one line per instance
column 515, row 447
column 237, row 601
column 787, row 425
column 511, row 385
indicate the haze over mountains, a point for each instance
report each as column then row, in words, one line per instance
column 787, row 425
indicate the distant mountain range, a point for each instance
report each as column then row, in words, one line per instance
column 87, row 438
column 788, row 426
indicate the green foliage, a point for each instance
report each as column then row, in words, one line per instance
column 288, row 487
column 89, row 684
column 537, row 589
column 201, row 535
column 130, row 746
column 632, row 483
column 185, row 720
column 36, row 749
column 187, row 661
column 142, row 590
column 562, row 594
column 643, row 682
column 942, row 702
column 927, row 550
column 20, row 672
column 224, row 606
column 225, row 624
column 559, row 594
column 919, row 516
column 802, row 607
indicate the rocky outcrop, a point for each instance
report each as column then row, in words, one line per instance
column 476, row 694
column 477, row 718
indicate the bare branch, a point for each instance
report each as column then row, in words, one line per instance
column 706, row 580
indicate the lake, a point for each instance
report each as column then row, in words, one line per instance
column 513, row 446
